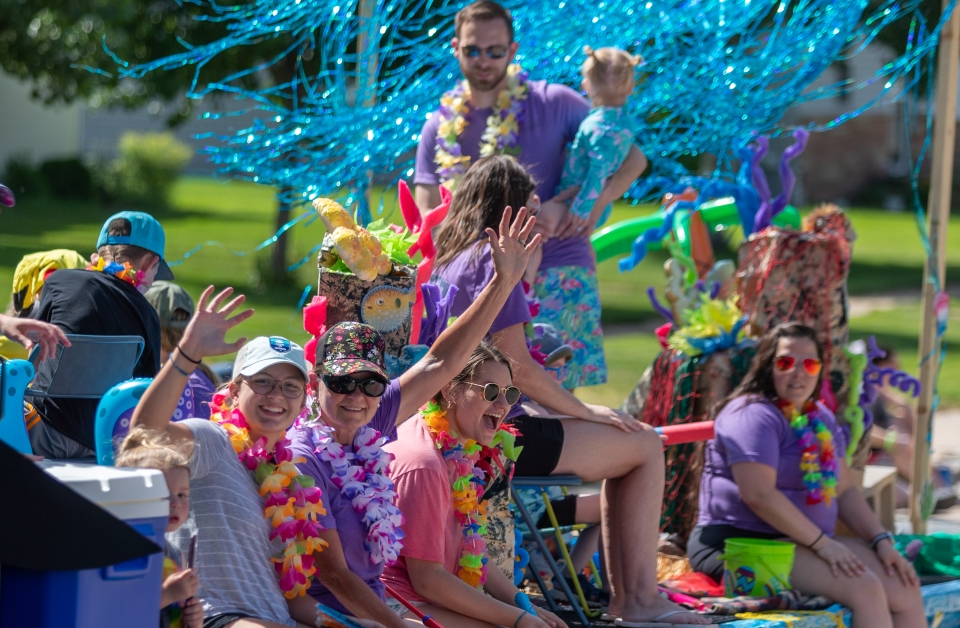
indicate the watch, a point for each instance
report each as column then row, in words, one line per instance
column 886, row 534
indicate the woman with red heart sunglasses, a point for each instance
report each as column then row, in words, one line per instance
column 776, row 470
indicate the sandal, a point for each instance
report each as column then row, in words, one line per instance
column 656, row 622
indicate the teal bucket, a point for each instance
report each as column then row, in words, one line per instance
column 756, row 567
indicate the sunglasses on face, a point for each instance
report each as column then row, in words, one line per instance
column 344, row 385
column 492, row 391
column 493, row 52
column 264, row 385
column 786, row 363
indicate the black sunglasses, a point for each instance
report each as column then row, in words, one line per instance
column 344, row 385
column 493, row 52
column 492, row 391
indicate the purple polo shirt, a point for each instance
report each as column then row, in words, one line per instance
column 340, row 513
column 551, row 116
column 758, row 432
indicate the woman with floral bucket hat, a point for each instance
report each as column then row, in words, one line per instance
column 360, row 408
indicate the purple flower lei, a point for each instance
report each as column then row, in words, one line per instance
column 360, row 474
column 500, row 136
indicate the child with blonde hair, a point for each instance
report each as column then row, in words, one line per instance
column 148, row 449
column 601, row 144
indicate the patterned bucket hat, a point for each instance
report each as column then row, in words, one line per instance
column 349, row 348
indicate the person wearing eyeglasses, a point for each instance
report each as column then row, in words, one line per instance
column 776, row 470
column 359, row 407
column 497, row 110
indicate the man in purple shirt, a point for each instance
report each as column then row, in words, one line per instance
column 484, row 46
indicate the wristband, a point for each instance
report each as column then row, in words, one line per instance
column 886, row 534
column 179, row 370
column 890, row 441
column 817, row 540
column 517, row 623
column 522, row 601
column 187, row 357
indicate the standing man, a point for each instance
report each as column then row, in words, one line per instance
column 497, row 110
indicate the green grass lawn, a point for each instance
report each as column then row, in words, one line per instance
column 888, row 256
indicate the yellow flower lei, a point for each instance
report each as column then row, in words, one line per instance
column 500, row 136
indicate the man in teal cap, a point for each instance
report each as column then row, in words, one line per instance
column 106, row 299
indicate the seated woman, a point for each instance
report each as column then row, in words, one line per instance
column 596, row 442
column 236, row 541
column 753, row 486
column 357, row 403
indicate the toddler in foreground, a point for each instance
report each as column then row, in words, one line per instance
column 600, row 146
column 146, row 449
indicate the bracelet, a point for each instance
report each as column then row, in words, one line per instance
column 522, row 601
column 517, row 623
column 817, row 540
column 886, row 534
column 179, row 370
column 187, row 357
column 890, row 441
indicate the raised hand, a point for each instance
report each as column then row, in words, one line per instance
column 206, row 334
column 29, row 332
column 511, row 248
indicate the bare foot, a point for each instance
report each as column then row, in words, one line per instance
column 657, row 607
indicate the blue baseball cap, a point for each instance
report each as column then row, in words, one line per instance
column 145, row 232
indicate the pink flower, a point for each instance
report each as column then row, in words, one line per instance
column 282, row 454
column 286, row 530
column 302, row 495
column 290, row 580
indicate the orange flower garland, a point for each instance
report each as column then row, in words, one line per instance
column 293, row 501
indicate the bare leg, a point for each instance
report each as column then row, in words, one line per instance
column 906, row 603
column 631, row 511
column 448, row 618
column 864, row 594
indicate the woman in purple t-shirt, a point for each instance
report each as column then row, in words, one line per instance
column 753, row 486
column 594, row 442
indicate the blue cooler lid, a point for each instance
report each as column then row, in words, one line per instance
column 125, row 493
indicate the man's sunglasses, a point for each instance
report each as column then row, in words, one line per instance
column 786, row 363
column 492, row 391
column 344, row 385
column 493, row 52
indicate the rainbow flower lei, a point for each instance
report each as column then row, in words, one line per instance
column 500, row 136
column 293, row 501
column 467, row 489
column 125, row 271
column 366, row 485
column 818, row 462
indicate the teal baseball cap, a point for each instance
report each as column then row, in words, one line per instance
column 145, row 232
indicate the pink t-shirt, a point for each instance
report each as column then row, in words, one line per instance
column 423, row 486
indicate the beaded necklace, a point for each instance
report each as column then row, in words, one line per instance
column 818, row 462
column 360, row 474
column 293, row 501
column 500, row 136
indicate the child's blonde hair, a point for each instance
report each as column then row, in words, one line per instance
column 144, row 448
column 610, row 72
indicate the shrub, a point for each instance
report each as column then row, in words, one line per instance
column 148, row 165
column 67, row 178
column 21, row 176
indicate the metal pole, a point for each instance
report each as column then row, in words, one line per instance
column 934, row 271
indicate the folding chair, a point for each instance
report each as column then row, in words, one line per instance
column 14, row 377
column 579, row 602
column 113, row 416
column 88, row 368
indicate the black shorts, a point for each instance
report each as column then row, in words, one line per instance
column 564, row 508
column 542, row 442
column 705, row 546
column 219, row 621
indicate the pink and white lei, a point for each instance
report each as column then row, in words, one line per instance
column 360, row 474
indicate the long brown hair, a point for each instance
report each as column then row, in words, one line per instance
column 758, row 382
column 485, row 190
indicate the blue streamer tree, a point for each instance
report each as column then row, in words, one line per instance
column 364, row 76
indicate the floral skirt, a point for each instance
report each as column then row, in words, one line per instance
column 570, row 301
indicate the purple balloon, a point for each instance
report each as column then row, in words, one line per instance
column 6, row 196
